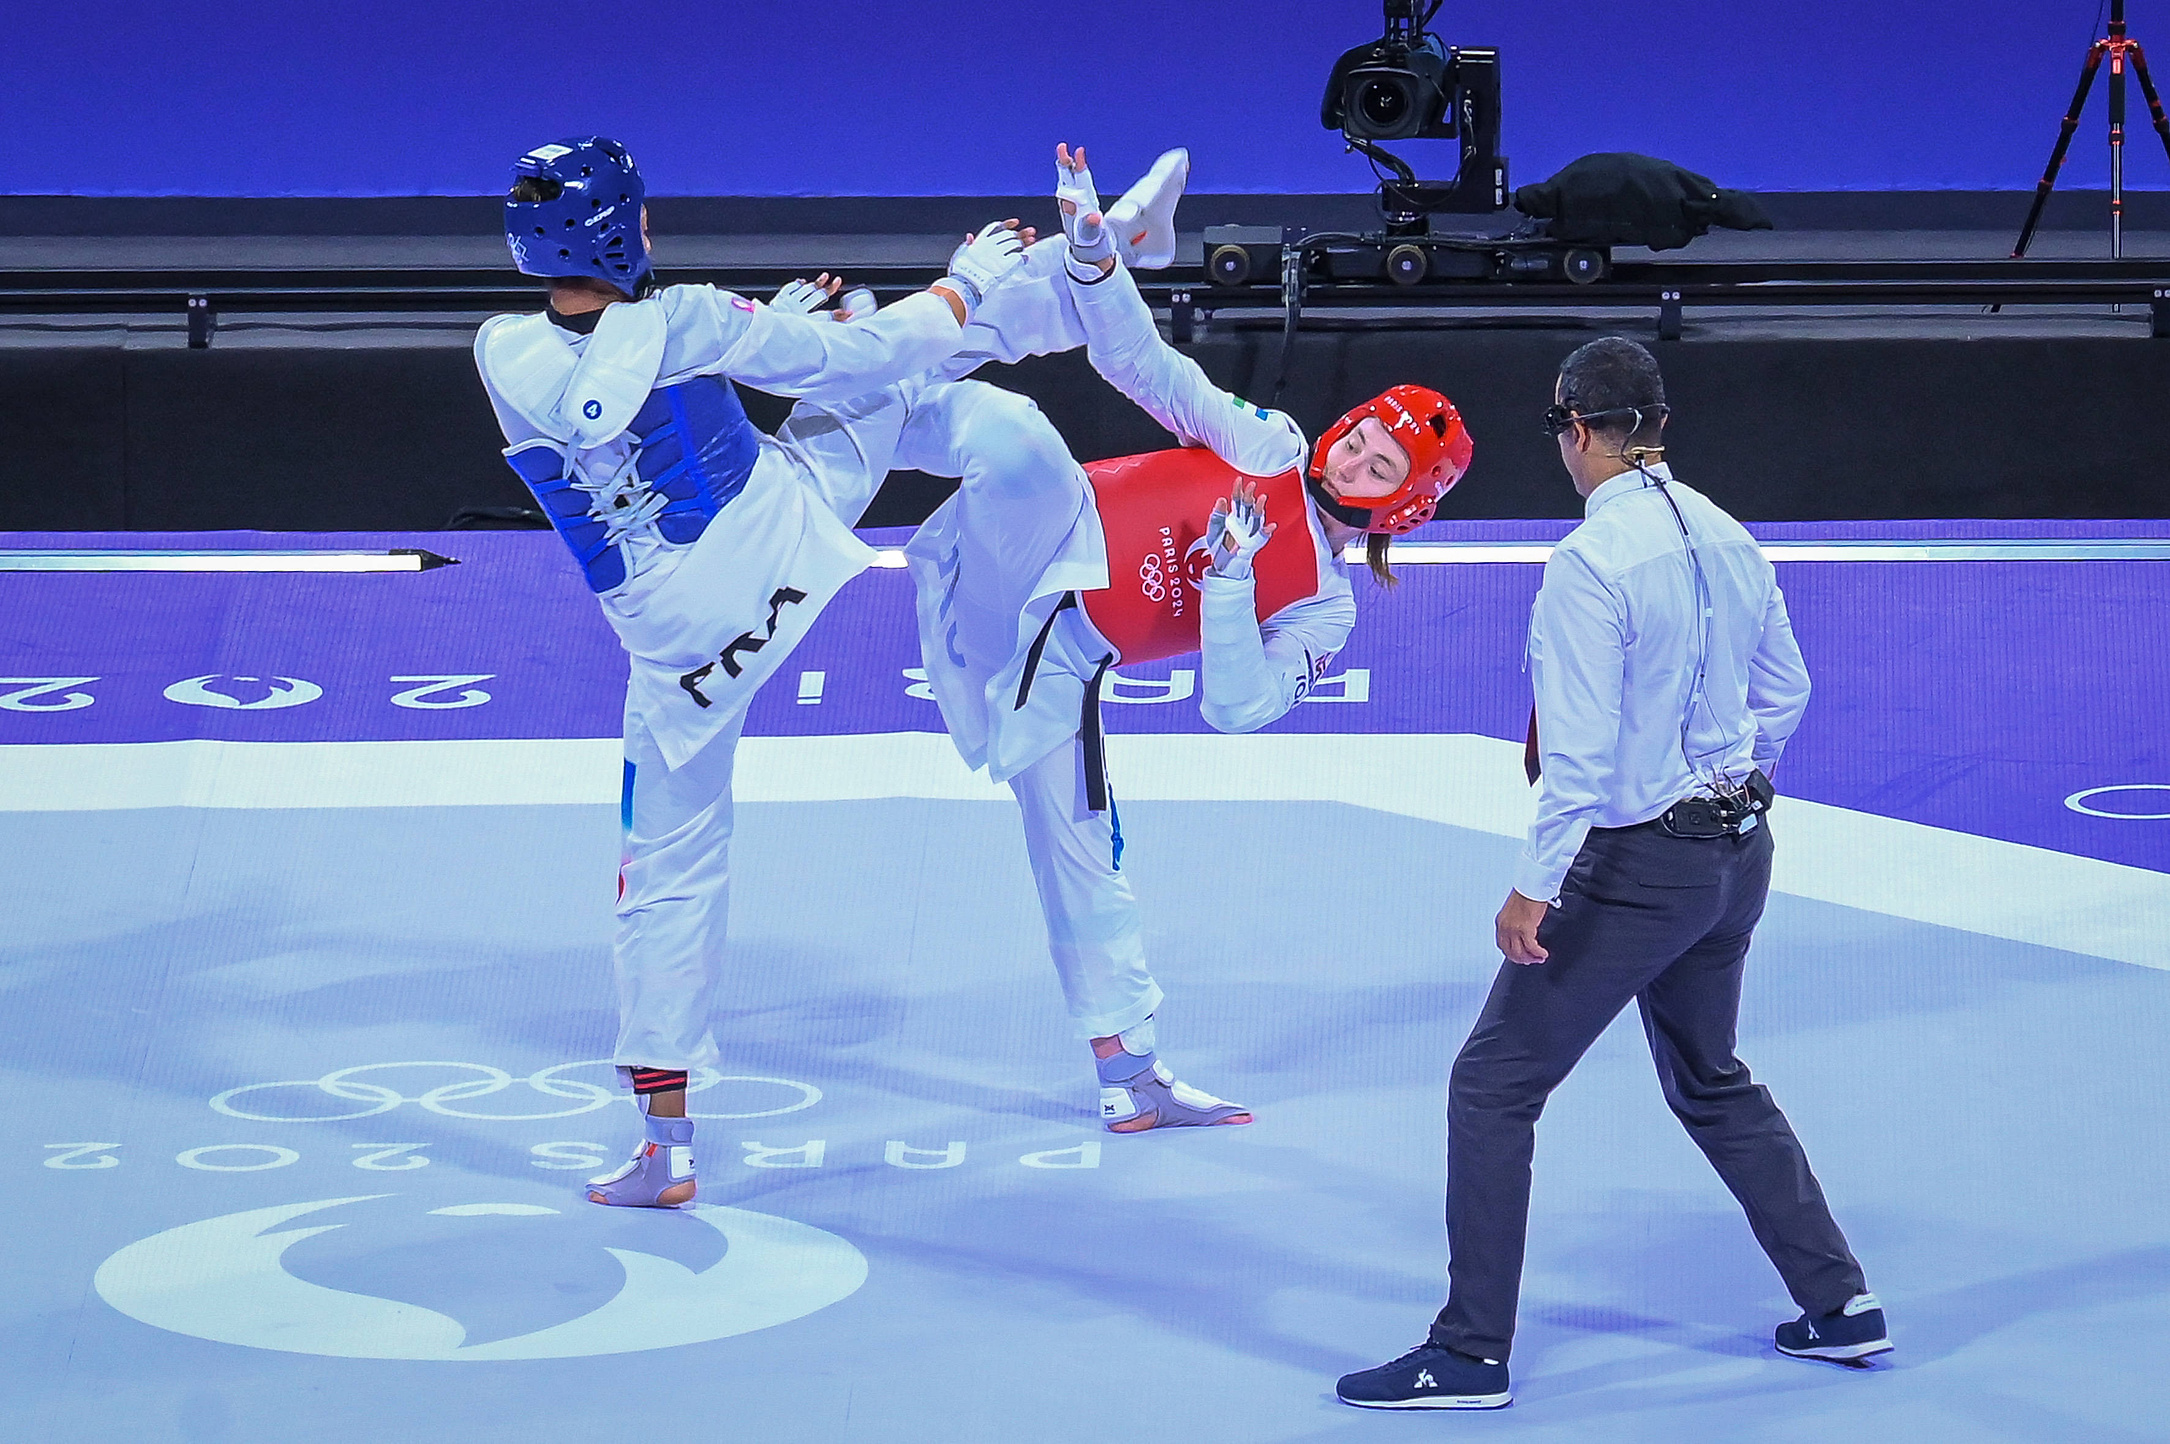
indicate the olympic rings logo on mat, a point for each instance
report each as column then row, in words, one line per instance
column 1152, row 580
column 346, row 1085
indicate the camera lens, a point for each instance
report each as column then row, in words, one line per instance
column 1229, row 265
column 1384, row 104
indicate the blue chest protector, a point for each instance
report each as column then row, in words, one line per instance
column 693, row 449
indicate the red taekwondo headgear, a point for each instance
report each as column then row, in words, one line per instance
column 1429, row 428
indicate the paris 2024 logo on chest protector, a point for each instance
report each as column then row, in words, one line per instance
column 246, row 1278
column 1153, row 511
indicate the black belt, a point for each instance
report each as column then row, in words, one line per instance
column 1088, row 725
column 1096, row 757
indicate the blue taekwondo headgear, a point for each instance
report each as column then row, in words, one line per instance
column 588, row 223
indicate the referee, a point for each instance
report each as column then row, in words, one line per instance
column 1667, row 683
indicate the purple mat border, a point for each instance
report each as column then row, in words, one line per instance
column 1973, row 696
column 1547, row 530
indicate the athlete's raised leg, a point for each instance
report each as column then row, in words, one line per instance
column 1019, row 502
column 1031, row 313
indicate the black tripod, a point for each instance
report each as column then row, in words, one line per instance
column 2116, row 45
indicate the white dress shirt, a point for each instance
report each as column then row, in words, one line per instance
column 1625, row 727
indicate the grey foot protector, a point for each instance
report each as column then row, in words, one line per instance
column 1134, row 1085
column 658, row 1175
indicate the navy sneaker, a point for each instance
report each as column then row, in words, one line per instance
column 1428, row 1377
column 1844, row 1336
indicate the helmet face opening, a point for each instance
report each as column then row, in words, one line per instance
column 574, row 209
column 1428, row 427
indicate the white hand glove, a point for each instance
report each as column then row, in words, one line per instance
column 857, row 305
column 1074, row 193
column 985, row 259
column 1237, row 532
column 803, row 297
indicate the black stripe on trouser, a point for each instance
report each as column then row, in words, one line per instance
column 1664, row 921
column 658, row 1080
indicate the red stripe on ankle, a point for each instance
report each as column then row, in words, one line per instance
column 658, row 1080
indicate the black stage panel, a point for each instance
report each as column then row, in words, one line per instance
column 313, row 434
column 308, row 438
column 63, row 463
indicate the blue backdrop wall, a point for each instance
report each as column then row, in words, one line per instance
column 931, row 97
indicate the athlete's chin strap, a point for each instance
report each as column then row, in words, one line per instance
column 1356, row 516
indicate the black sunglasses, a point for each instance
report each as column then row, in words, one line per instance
column 1559, row 417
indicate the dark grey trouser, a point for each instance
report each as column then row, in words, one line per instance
column 1665, row 921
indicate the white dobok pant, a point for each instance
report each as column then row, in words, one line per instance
column 674, row 903
column 1019, row 501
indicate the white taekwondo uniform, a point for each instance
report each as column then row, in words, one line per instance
column 705, row 622
column 995, row 563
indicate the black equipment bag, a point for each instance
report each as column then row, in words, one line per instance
column 1621, row 199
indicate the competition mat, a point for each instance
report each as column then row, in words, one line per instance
column 306, row 984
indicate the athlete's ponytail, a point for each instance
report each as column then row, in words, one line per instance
column 1375, row 544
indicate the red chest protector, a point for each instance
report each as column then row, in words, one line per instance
column 1154, row 509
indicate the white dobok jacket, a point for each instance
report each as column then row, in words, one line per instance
column 788, row 532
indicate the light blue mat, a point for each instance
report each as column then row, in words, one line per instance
column 1986, row 1117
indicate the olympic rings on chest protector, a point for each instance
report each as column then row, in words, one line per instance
column 346, row 1085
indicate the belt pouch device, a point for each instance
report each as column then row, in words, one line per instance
column 1730, row 815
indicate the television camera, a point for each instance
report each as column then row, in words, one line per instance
column 1408, row 85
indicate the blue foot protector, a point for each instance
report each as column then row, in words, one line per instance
column 1849, row 1336
column 1428, row 1377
